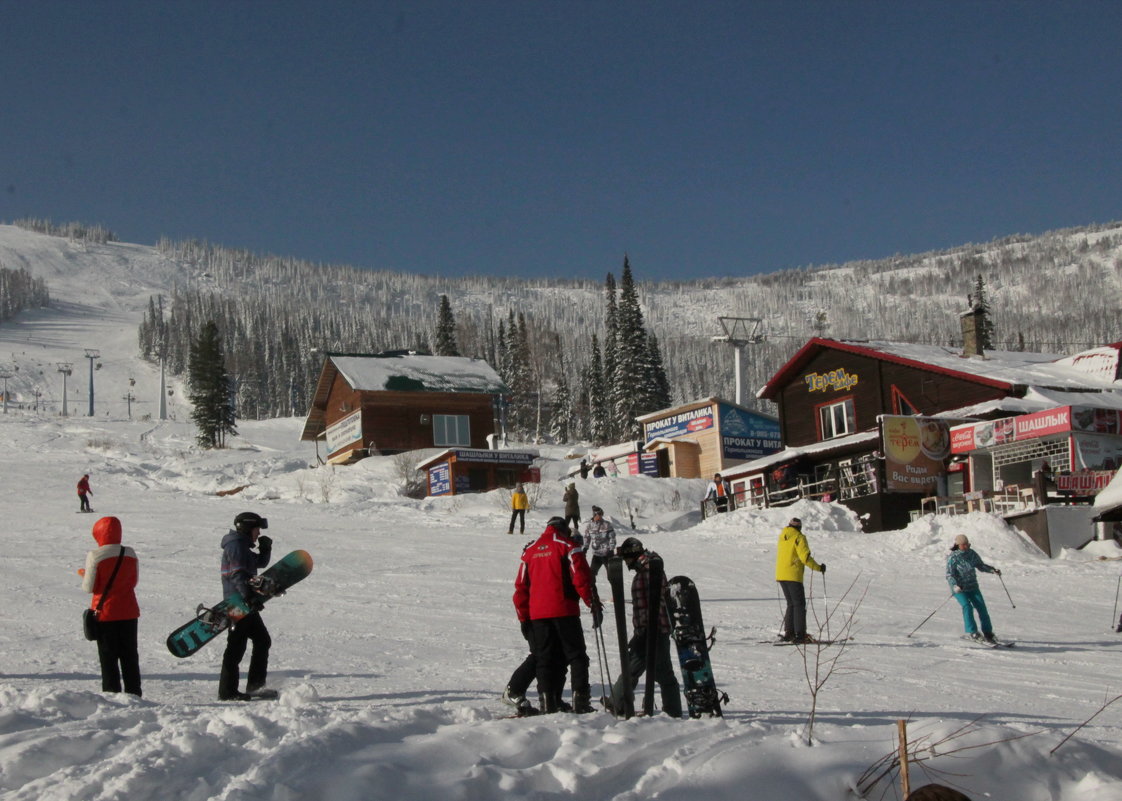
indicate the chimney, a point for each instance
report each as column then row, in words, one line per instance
column 972, row 322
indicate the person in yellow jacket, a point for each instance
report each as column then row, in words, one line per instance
column 519, row 503
column 791, row 559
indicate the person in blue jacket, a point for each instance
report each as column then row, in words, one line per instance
column 961, row 566
column 240, row 563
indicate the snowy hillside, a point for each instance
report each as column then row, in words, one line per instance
column 391, row 656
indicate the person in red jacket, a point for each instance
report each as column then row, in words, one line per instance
column 117, row 618
column 83, row 491
column 553, row 579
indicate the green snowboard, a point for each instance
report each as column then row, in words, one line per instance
column 209, row 622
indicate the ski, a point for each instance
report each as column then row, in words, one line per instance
column 816, row 642
column 994, row 644
column 654, row 611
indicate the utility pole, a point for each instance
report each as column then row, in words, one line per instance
column 92, row 354
column 66, row 368
column 129, row 397
column 740, row 331
column 5, row 375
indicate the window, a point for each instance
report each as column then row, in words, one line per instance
column 836, row 419
column 901, row 404
column 450, row 430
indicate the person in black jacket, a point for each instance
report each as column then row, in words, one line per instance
column 240, row 564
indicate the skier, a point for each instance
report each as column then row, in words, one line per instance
column 239, row 565
column 83, row 491
column 600, row 539
column 719, row 491
column 638, row 560
column 111, row 574
column 519, row 503
column 572, row 507
column 552, row 580
column 961, row 565
column 792, row 556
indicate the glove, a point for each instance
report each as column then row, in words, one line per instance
column 265, row 544
column 597, row 615
column 957, row 588
column 998, row 572
column 822, row 567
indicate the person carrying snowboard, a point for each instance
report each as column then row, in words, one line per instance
column 642, row 596
column 599, row 539
column 963, row 580
column 240, row 564
column 553, row 578
column 83, row 491
column 110, row 574
column 791, row 559
column 719, row 491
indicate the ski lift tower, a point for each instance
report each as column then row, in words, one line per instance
column 739, row 332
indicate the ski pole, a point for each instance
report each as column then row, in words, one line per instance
column 826, row 603
column 1114, row 616
column 940, row 606
column 1007, row 595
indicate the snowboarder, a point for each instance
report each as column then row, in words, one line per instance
column 638, row 560
column 239, row 565
column 552, row 580
column 519, row 503
column 83, row 491
column 111, row 574
column 584, row 468
column 719, row 491
column 599, row 539
column 572, row 507
column 963, row 581
column 791, row 558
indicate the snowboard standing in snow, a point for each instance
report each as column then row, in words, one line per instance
column 684, row 609
column 623, row 707
column 209, row 622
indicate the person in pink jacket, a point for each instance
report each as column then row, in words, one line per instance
column 119, row 610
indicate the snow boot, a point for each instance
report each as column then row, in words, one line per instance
column 582, row 703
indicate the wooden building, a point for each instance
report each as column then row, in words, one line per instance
column 707, row 436
column 837, row 399
column 460, row 470
column 401, row 401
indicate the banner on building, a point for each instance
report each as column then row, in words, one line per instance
column 915, row 452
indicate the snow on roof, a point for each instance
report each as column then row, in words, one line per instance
column 417, row 373
column 1037, row 400
column 999, row 368
column 789, row 454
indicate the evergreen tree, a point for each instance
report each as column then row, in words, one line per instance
column 628, row 385
column 599, row 427
column 980, row 302
column 444, row 338
column 657, row 384
column 213, row 413
column 610, row 353
column 561, row 417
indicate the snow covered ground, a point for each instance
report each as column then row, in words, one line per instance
column 391, row 656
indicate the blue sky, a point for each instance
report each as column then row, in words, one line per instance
column 531, row 138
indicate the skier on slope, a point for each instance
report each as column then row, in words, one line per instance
column 84, row 491
column 599, row 539
column 240, row 564
column 961, row 564
column 552, row 580
column 791, row 558
column 642, row 596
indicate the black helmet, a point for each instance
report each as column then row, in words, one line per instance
column 596, row 510
column 559, row 524
column 630, row 548
column 247, row 521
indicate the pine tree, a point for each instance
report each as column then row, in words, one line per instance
column 561, row 418
column 980, row 302
column 658, row 385
column 610, row 354
column 629, row 379
column 209, row 392
column 599, row 426
column 444, row 338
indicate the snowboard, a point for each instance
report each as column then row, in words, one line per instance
column 209, row 622
column 684, row 610
column 620, row 707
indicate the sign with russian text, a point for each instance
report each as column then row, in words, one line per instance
column 681, row 424
column 915, row 451
column 440, row 479
column 1084, row 482
column 745, row 435
column 1060, row 420
column 344, row 431
column 840, row 380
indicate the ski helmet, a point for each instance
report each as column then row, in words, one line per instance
column 247, row 521
column 558, row 524
column 630, row 548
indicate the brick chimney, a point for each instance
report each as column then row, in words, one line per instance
column 972, row 322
